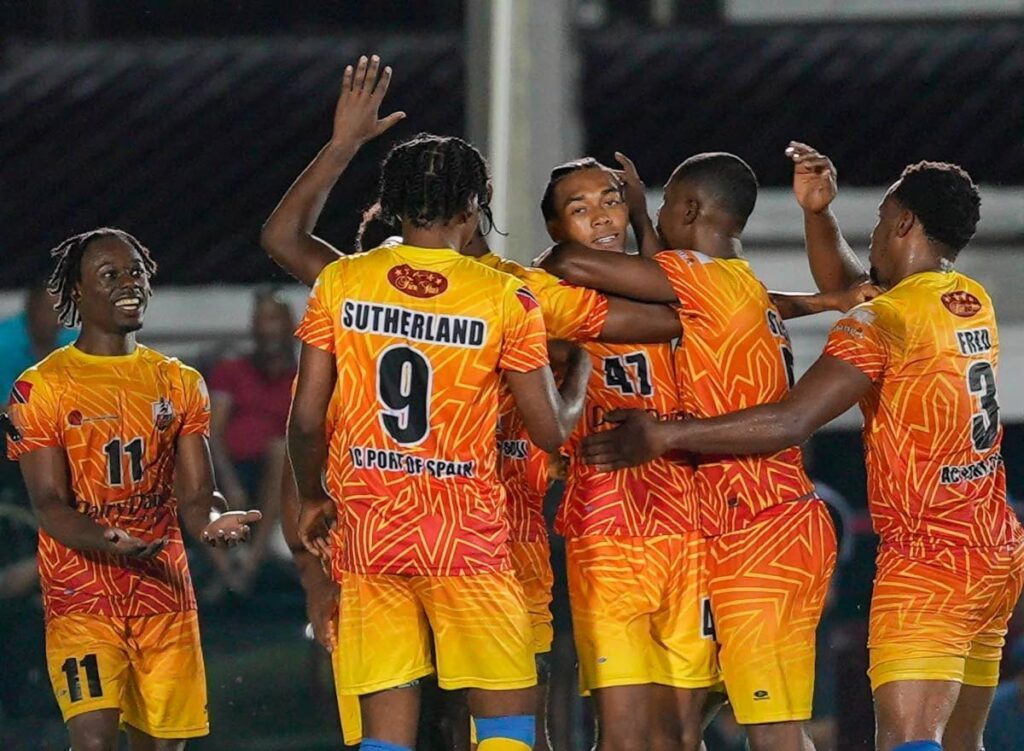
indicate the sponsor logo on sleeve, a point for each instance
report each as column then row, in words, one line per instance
column 421, row 283
column 961, row 303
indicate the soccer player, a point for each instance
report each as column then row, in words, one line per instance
column 921, row 360
column 760, row 512
column 418, row 339
column 114, row 451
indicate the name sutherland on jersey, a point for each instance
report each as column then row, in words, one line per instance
column 393, row 320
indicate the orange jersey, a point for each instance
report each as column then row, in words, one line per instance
column 931, row 420
column 735, row 354
column 570, row 312
column 656, row 498
column 118, row 420
column 420, row 338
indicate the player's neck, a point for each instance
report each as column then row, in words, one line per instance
column 104, row 343
column 441, row 237
column 920, row 260
column 713, row 242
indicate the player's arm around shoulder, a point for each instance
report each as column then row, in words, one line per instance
column 632, row 276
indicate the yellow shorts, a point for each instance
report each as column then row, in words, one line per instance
column 531, row 563
column 768, row 584
column 639, row 611
column 150, row 667
column 941, row 614
column 476, row 627
column 349, row 711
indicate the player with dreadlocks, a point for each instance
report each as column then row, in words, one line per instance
column 112, row 443
column 419, row 340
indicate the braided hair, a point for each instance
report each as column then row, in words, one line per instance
column 432, row 178
column 68, row 270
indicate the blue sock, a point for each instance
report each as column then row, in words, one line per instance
column 372, row 744
column 520, row 728
column 919, row 746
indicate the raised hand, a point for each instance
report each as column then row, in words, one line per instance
column 634, row 188
column 120, row 542
column 356, row 118
column 316, row 519
column 230, row 528
column 814, row 177
column 637, row 440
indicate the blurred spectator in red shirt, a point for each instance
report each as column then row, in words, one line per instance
column 250, row 397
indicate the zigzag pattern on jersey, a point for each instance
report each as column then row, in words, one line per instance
column 951, row 600
column 656, row 498
column 406, row 518
column 93, row 406
column 928, row 483
column 735, row 354
column 768, row 584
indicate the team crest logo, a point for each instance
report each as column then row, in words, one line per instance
column 75, row 418
column 163, row 413
column 20, row 392
column 417, row 282
column 962, row 304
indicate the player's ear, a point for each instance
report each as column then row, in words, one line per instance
column 691, row 211
column 905, row 222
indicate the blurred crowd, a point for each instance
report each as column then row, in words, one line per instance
column 250, row 390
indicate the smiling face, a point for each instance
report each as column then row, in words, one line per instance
column 589, row 210
column 113, row 291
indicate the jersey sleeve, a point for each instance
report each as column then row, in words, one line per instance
column 317, row 326
column 33, row 410
column 571, row 312
column 524, row 341
column 196, row 416
column 693, row 276
column 859, row 340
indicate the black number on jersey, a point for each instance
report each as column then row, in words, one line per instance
column 92, row 677
column 115, row 449
column 403, row 389
column 778, row 329
column 629, row 374
column 981, row 382
column 790, row 363
column 707, row 620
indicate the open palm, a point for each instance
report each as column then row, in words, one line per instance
column 356, row 117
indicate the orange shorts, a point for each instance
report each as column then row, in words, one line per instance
column 639, row 611
column 942, row 614
column 531, row 563
column 150, row 667
column 768, row 584
column 395, row 629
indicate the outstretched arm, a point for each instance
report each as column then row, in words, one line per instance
column 827, row 390
column 287, row 235
column 631, row 322
column 833, row 263
column 799, row 304
column 634, row 277
column 203, row 511
column 551, row 413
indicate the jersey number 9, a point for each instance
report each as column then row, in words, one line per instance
column 404, row 380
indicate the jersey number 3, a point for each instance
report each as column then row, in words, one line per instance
column 404, row 380
column 981, row 382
